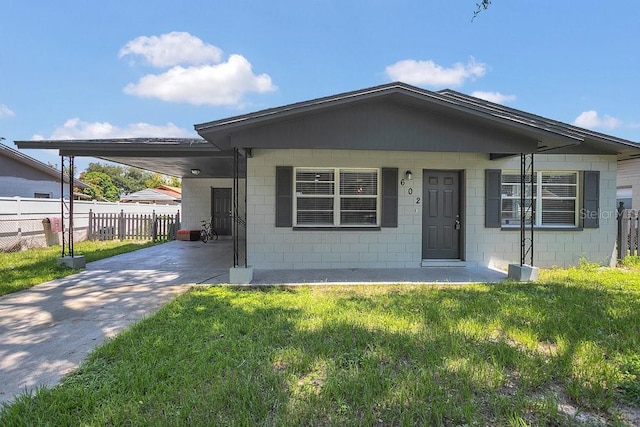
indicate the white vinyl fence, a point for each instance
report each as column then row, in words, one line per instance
column 26, row 222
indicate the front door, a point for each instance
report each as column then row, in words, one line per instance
column 441, row 222
column 221, row 210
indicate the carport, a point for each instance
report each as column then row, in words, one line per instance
column 187, row 158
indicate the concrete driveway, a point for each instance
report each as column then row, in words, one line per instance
column 46, row 331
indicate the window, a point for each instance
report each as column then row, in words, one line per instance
column 334, row 197
column 42, row 195
column 555, row 198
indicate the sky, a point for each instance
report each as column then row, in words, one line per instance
column 119, row 69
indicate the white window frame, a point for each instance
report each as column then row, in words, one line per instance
column 337, row 196
column 539, row 198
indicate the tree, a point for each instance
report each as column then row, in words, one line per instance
column 483, row 5
column 174, row 181
column 129, row 179
column 118, row 176
column 101, row 186
column 155, row 180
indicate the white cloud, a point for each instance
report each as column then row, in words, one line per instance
column 6, row 111
column 198, row 73
column 78, row 129
column 172, row 49
column 591, row 120
column 495, row 97
column 221, row 84
column 429, row 73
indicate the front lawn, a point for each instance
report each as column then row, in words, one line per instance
column 562, row 351
column 24, row 269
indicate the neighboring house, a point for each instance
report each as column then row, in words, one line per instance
column 24, row 176
column 389, row 177
column 161, row 195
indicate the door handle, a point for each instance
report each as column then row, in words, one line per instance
column 457, row 224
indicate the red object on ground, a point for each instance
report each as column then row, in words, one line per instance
column 189, row 235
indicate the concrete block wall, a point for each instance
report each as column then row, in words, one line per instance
column 196, row 199
column 401, row 247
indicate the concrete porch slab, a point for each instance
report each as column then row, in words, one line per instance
column 437, row 275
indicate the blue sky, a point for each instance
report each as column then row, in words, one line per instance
column 113, row 69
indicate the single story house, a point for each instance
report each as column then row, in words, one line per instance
column 392, row 176
column 24, row 176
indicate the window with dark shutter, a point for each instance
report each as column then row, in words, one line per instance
column 555, row 195
column 336, row 197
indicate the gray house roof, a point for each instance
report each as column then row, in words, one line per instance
column 398, row 116
column 586, row 137
column 394, row 116
column 34, row 165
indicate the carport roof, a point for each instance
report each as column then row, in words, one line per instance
column 169, row 156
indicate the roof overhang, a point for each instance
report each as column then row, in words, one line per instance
column 168, row 156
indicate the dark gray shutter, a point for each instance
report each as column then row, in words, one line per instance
column 284, row 196
column 590, row 199
column 389, row 197
column 492, row 197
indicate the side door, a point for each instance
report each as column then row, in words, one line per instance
column 221, row 210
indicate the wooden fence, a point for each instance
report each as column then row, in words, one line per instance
column 110, row 226
column 628, row 234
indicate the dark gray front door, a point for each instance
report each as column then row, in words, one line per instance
column 221, row 210
column 441, row 224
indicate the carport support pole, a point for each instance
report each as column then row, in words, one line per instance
column 527, row 208
column 239, row 274
column 68, row 257
column 524, row 272
column 238, row 221
column 234, row 224
column 66, row 205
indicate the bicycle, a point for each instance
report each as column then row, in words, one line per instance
column 208, row 232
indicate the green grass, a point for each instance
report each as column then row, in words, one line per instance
column 498, row 354
column 22, row 270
